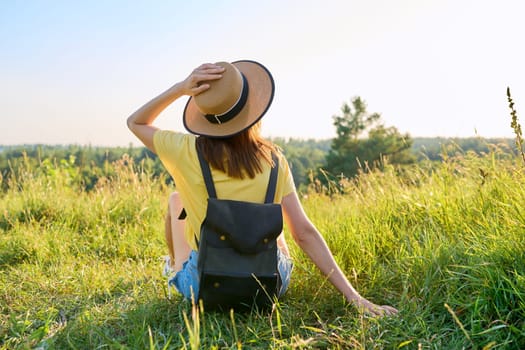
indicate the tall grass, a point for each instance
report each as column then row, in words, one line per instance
column 444, row 243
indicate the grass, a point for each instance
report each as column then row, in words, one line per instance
column 444, row 243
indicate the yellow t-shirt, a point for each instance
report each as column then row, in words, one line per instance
column 178, row 154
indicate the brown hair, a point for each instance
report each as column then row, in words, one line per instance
column 239, row 155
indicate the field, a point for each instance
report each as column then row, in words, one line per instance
column 444, row 242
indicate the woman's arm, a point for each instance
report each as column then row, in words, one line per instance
column 313, row 244
column 140, row 122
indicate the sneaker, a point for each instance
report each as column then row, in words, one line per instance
column 167, row 271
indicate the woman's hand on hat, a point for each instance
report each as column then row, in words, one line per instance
column 195, row 83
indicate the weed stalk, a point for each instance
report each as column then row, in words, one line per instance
column 516, row 125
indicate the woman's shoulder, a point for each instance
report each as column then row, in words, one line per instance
column 285, row 174
column 171, row 136
column 281, row 158
column 169, row 141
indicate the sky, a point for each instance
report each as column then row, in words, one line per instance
column 71, row 72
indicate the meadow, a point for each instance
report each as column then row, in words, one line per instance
column 444, row 242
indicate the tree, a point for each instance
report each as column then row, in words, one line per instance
column 303, row 156
column 362, row 141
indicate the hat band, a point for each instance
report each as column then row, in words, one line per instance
column 232, row 112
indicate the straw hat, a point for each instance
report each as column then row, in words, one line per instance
column 233, row 103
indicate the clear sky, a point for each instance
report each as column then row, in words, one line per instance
column 72, row 71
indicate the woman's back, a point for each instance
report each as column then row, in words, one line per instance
column 178, row 154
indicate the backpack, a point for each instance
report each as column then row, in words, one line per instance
column 237, row 249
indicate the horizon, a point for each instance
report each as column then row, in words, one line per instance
column 139, row 145
column 73, row 72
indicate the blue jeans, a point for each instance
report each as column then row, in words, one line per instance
column 186, row 281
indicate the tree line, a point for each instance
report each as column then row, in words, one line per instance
column 362, row 142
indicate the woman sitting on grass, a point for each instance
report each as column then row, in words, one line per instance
column 223, row 116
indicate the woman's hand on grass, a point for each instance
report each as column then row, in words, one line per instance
column 367, row 307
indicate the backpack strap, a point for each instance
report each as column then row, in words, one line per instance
column 208, row 179
column 272, row 183
column 206, row 173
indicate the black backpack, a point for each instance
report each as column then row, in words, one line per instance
column 237, row 261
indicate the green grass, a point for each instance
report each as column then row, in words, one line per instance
column 444, row 243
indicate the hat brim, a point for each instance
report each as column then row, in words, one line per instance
column 260, row 97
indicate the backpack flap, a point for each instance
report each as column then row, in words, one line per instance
column 247, row 227
column 227, row 262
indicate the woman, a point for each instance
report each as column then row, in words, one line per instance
column 223, row 116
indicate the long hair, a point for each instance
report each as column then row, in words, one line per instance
column 240, row 155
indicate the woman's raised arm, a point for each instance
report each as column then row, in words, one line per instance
column 141, row 121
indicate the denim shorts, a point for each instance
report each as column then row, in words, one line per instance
column 186, row 281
